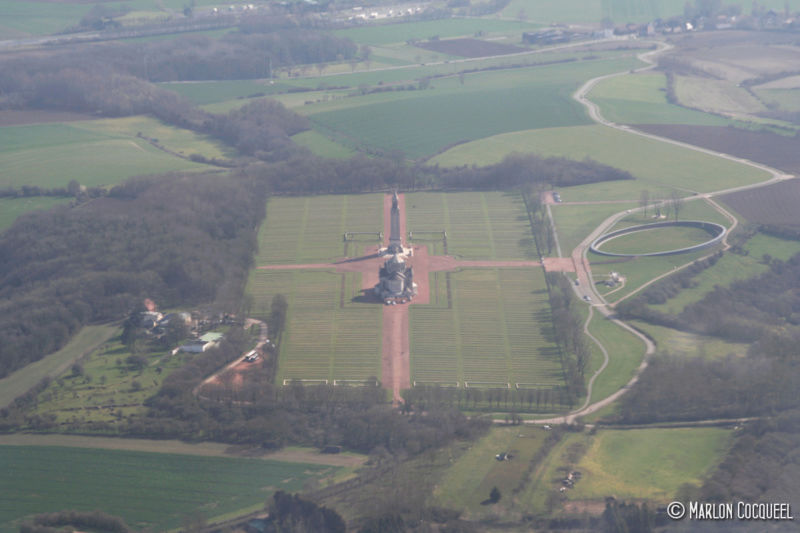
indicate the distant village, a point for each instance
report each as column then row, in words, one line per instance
column 692, row 20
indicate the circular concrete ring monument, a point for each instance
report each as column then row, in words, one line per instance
column 716, row 231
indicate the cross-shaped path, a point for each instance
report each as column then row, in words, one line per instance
column 395, row 368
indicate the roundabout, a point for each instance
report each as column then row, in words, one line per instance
column 716, row 231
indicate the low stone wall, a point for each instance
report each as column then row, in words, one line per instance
column 716, row 230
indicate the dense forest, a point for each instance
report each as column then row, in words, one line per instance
column 181, row 239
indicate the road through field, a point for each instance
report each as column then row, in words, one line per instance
column 579, row 254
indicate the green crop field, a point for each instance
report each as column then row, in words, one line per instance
column 11, row 208
column 148, row 490
column 184, row 142
column 653, row 163
column 87, row 340
column 479, row 225
column 209, row 92
column 488, row 103
column 51, row 155
column 641, row 99
column 497, row 332
column 656, row 240
column 321, row 145
column 648, row 463
column 377, row 34
column 788, row 99
column 311, row 229
column 23, row 18
column 328, row 336
column 472, row 476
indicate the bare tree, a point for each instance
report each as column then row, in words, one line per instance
column 644, row 201
column 676, row 203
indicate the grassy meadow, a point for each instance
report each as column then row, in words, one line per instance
column 108, row 388
column 322, row 145
column 641, row 99
column 389, row 33
column 637, row 271
column 11, row 208
column 731, row 267
column 685, row 344
column 472, row 476
column 574, row 223
column 148, row 490
column 656, row 240
column 625, row 351
column 648, row 463
column 488, row 103
column 654, row 164
column 51, row 155
column 84, row 342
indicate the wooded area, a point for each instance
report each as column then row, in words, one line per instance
column 181, row 239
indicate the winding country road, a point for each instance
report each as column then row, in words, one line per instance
column 579, row 254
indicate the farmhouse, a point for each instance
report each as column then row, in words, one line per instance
column 207, row 341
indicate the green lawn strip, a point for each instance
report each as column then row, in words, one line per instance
column 625, row 352
column 648, row 463
column 85, row 341
column 472, row 476
column 546, row 479
column 11, row 208
column 656, row 165
column 321, row 145
column 575, row 222
column 685, row 344
column 145, row 489
column 656, row 240
column 51, row 155
column 641, row 99
column 732, row 267
column 637, row 271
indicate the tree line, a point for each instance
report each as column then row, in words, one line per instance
column 764, row 308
